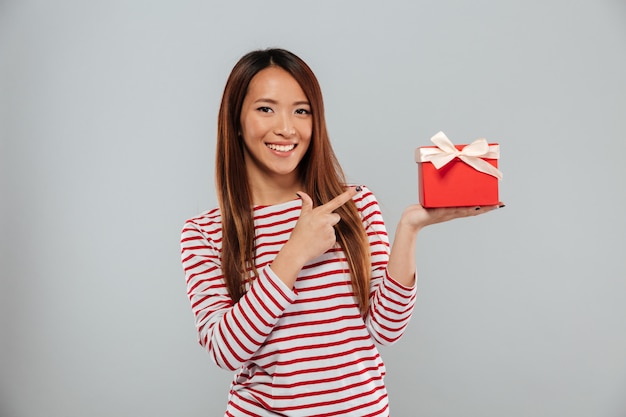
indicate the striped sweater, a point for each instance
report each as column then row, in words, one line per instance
column 301, row 352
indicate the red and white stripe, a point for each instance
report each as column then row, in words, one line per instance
column 301, row 352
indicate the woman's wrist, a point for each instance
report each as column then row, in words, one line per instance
column 287, row 265
column 405, row 225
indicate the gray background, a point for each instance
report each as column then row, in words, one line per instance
column 108, row 122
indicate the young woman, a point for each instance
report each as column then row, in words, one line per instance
column 291, row 279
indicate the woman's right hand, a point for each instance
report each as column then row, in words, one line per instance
column 312, row 236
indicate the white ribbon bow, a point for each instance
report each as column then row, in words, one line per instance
column 471, row 154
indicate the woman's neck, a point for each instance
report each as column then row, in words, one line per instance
column 267, row 192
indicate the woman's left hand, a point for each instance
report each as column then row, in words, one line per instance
column 417, row 217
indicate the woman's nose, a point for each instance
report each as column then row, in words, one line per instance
column 285, row 126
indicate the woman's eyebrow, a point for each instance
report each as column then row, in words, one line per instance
column 266, row 100
column 272, row 101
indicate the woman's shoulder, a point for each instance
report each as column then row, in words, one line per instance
column 364, row 198
column 208, row 221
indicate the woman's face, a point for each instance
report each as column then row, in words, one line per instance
column 276, row 125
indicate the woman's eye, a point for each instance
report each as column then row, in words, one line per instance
column 303, row 111
column 264, row 109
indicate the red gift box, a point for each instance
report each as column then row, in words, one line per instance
column 458, row 175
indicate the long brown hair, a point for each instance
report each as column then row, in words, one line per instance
column 319, row 170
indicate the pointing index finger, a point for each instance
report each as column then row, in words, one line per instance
column 340, row 200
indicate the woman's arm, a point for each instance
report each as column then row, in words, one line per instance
column 393, row 289
column 230, row 332
column 391, row 302
column 414, row 218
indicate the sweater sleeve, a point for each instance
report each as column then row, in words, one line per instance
column 391, row 303
column 231, row 332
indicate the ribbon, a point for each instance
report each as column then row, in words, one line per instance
column 471, row 154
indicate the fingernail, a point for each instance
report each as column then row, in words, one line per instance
column 358, row 188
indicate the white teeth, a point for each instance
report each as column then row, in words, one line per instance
column 280, row 148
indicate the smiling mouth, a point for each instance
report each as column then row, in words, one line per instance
column 281, row 148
